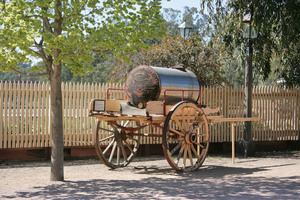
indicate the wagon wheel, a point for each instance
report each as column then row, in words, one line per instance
column 115, row 147
column 185, row 137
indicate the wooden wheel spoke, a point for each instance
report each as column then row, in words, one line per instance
column 195, row 152
column 112, row 151
column 180, row 153
column 118, row 155
column 201, row 135
column 190, row 154
column 175, row 131
column 195, row 118
column 176, row 148
column 126, row 123
column 199, row 125
column 128, row 146
column 106, row 138
column 186, row 114
column 175, row 139
column 123, row 151
column 110, row 144
column 193, row 128
column 188, row 125
column 178, row 123
column 184, row 156
column 171, row 140
column 107, row 130
column 202, row 139
column 184, row 123
column 200, row 145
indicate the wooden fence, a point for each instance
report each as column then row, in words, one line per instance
column 278, row 108
column 25, row 113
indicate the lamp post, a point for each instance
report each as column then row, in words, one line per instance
column 249, row 33
column 185, row 29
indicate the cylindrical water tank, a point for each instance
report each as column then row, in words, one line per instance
column 148, row 83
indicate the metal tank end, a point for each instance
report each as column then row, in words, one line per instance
column 149, row 83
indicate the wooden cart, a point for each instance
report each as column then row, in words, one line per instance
column 183, row 127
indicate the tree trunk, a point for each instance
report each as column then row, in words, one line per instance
column 57, row 153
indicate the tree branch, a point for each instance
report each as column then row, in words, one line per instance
column 99, row 51
column 40, row 56
column 74, row 53
column 35, row 16
column 4, row 8
column 23, row 74
column 39, row 46
column 46, row 23
column 83, row 51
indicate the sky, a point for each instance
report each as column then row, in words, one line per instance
column 180, row 4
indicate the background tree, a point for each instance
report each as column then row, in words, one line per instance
column 191, row 54
column 101, row 67
column 174, row 18
column 279, row 33
column 63, row 32
column 12, row 76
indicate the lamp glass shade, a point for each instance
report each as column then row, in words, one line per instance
column 246, row 32
column 185, row 29
column 182, row 32
column 187, row 33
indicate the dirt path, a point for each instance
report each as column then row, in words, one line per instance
column 268, row 176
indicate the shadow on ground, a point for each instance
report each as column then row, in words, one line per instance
column 211, row 182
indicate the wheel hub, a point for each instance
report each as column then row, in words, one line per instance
column 123, row 135
column 190, row 137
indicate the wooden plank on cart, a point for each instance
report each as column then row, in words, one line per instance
column 155, row 107
column 113, row 105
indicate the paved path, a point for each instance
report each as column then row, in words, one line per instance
column 274, row 176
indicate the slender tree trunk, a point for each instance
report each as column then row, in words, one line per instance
column 57, row 153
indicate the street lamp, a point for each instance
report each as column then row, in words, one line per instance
column 185, row 29
column 249, row 33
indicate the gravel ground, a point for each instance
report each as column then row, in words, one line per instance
column 266, row 176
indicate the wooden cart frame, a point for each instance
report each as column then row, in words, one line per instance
column 184, row 128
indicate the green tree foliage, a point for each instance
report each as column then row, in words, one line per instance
column 190, row 54
column 279, row 33
column 65, row 33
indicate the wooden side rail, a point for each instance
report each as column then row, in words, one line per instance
column 233, row 121
column 210, row 111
